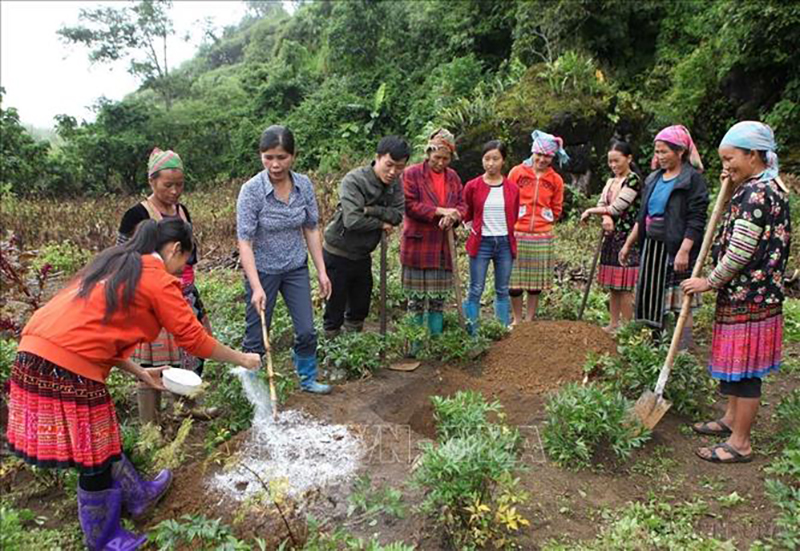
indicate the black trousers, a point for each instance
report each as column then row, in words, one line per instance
column 351, row 284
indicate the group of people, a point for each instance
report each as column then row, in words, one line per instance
column 138, row 298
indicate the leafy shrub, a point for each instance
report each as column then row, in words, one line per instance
column 369, row 501
column 467, row 474
column 64, row 256
column 358, row 354
column 791, row 320
column 787, row 416
column 195, row 531
column 581, row 420
column 8, row 351
column 340, row 539
column 636, row 367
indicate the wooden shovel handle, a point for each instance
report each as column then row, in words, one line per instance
column 591, row 275
column 451, row 242
column 687, row 298
column 273, row 395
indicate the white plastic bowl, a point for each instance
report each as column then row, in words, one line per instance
column 182, row 381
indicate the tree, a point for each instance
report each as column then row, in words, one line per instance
column 23, row 160
column 138, row 31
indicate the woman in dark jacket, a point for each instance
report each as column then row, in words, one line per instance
column 434, row 204
column 669, row 228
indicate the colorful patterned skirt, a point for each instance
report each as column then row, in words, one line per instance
column 59, row 419
column 746, row 341
column 533, row 267
column 421, row 283
column 611, row 275
column 658, row 289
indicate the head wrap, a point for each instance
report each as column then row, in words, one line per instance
column 442, row 139
column 678, row 135
column 161, row 160
column 547, row 144
column 754, row 136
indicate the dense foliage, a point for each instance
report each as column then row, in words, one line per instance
column 342, row 74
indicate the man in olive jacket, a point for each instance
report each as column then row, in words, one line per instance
column 371, row 201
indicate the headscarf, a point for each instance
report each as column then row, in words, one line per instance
column 754, row 136
column 678, row 135
column 161, row 160
column 547, row 144
column 442, row 139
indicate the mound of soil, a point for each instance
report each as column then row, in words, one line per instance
column 541, row 356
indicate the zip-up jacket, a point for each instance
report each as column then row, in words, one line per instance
column 541, row 199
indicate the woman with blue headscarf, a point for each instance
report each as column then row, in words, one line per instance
column 750, row 256
column 541, row 199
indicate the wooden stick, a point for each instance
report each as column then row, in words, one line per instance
column 384, row 247
column 451, row 241
column 273, row 396
column 591, row 275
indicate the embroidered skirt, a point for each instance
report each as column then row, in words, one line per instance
column 533, row 267
column 421, row 283
column 612, row 275
column 658, row 289
column 59, row 419
column 746, row 341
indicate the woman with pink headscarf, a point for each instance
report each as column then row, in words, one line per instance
column 669, row 228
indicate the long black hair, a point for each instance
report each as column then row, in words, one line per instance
column 121, row 266
column 626, row 149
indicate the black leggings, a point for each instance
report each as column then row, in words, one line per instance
column 518, row 292
column 96, row 482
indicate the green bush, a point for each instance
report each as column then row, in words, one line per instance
column 636, row 367
column 791, row 320
column 467, row 475
column 8, row 351
column 358, row 354
column 582, row 420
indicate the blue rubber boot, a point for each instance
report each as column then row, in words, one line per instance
column 502, row 310
column 435, row 323
column 472, row 312
column 307, row 370
column 416, row 346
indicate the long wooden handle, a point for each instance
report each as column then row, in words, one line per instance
column 687, row 298
column 451, row 241
column 591, row 275
column 384, row 321
column 273, row 396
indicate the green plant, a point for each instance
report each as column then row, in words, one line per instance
column 63, row 256
column 581, row 420
column 196, row 531
column 358, row 354
column 368, row 502
column 340, row 538
column 791, row 320
column 636, row 367
column 467, row 474
column 8, row 352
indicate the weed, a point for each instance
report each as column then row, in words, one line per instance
column 340, row 538
column 357, row 354
column 63, row 256
column 583, row 419
column 8, row 352
column 731, row 500
column 171, row 455
column 658, row 465
column 791, row 320
column 197, row 532
column 20, row 529
column 368, row 502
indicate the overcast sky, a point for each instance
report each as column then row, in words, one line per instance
column 43, row 77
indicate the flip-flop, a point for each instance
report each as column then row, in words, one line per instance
column 735, row 457
column 706, row 429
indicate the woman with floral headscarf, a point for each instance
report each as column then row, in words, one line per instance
column 541, row 199
column 165, row 176
column 433, row 204
column 669, row 229
column 750, row 255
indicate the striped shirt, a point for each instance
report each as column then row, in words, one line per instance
column 494, row 214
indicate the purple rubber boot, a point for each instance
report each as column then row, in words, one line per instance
column 138, row 495
column 99, row 515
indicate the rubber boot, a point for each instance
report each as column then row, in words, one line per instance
column 416, row 346
column 99, row 517
column 138, row 495
column 353, row 326
column 472, row 313
column 307, row 370
column 502, row 311
column 435, row 323
column 149, row 401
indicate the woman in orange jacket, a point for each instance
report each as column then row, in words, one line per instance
column 60, row 413
column 541, row 198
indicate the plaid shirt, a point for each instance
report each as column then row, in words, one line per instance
column 423, row 242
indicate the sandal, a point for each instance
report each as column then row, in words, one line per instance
column 705, row 428
column 735, row 457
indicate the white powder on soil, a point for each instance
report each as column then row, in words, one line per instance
column 296, row 448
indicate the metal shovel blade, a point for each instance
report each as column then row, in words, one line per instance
column 650, row 408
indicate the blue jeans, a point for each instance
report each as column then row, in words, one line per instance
column 498, row 250
column 295, row 288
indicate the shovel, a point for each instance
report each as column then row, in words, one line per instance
column 408, row 365
column 651, row 406
column 273, row 396
column 451, row 241
column 591, row 275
